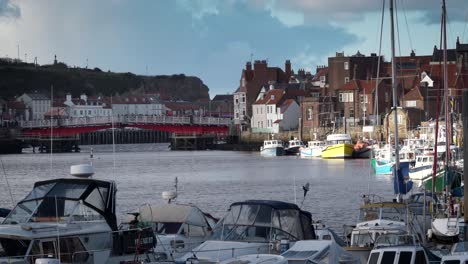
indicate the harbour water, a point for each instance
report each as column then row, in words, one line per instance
column 210, row 179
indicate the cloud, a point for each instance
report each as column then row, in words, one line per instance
column 314, row 11
column 9, row 10
column 199, row 8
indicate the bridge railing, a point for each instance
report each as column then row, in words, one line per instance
column 89, row 121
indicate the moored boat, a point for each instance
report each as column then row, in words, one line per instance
column 293, row 147
column 272, row 148
column 338, row 146
column 362, row 150
column 313, row 149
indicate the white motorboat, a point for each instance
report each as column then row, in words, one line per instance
column 400, row 249
column 422, row 167
column 458, row 254
column 252, row 227
column 293, row 147
column 313, row 149
column 178, row 228
column 309, row 251
column 71, row 219
column 272, row 148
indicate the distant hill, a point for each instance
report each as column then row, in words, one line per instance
column 17, row 78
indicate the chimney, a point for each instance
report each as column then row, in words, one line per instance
column 84, row 97
column 413, row 54
column 287, row 69
column 260, row 65
column 248, row 66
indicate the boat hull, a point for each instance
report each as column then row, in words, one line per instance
column 363, row 153
column 311, row 152
column 292, row 151
column 443, row 232
column 419, row 173
column 338, row 151
column 272, row 152
column 382, row 167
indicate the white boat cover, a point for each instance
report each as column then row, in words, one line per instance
column 172, row 213
column 319, row 251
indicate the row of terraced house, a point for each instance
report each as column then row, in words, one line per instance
column 350, row 91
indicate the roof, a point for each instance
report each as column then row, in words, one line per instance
column 286, row 105
column 16, row 105
column 223, row 97
column 181, row 106
column 273, row 96
column 351, row 85
column 437, row 55
column 271, row 203
column 37, row 96
column 413, row 94
column 321, row 72
column 368, row 86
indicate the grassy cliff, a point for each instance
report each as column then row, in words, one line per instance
column 18, row 78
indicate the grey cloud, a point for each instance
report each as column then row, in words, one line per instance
column 8, row 9
column 340, row 10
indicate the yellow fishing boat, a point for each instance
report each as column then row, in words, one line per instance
column 339, row 146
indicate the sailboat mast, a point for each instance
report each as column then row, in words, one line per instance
column 394, row 87
column 446, row 102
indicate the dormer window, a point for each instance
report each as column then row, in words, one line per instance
column 272, row 97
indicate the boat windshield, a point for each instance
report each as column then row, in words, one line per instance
column 394, row 213
column 61, row 201
column 262, row 222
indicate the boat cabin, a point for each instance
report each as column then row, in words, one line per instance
column 376, row 219
column 272, row 143
column 396, row 249
column 315, row 144
column 334, row 139
column 263, row 221
column 72, row 219
column 295, row 143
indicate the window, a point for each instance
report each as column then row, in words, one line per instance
column 420, row 258
column 237, row 115
column 322, row 79
column 405, row 257
column 261, row 123
column 309, row 113
column 243, row 112
column 374, row 258
column 243, row 98
column 400, row 119
column 258, row 125
column 267, row 109
column 363, row 99
column 346, row 65
column 351, row 112
column 237, row 100
column 346, row 79
column 346, row 97
column 388, row 257
column 411, row 103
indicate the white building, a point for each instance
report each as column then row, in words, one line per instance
column 38, row 104
column 86, row 107
column 272, row 113
column 138, row 105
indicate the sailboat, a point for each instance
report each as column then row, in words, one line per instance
column 446, row 225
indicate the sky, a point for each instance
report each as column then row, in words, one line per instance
column 213, row 39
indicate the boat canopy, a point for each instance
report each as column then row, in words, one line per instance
column 62, row 200
column 173, row 213
column 265, row 220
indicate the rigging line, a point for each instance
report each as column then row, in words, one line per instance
column 399, row 50
column 51, row 120
column 407, row 25
column 7, row 183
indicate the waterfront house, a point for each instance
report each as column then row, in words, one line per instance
column 222, row 105
column 274, row 112
column 84, row 107
column 251, row 82
column 408, row 119
column 37, row 103
column 138, row 105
